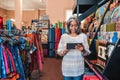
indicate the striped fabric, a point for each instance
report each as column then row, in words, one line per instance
column 73, row 61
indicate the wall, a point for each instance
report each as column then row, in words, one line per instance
column 42, row 12
column 56, row 9
column 27, row 16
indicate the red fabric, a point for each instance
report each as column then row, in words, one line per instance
column 1, row 22
column 11, row 57
column 38, row 54
column 57, row 34
column 31, row 36
column 90, row 77
column 5, row 60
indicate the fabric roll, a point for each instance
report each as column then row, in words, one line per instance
column 56, row 45
column 1, row 22
column 63, row 31
column 51, row 45
column 60, row 25
column 51, row 53
column 57, row 34
column 51, row 35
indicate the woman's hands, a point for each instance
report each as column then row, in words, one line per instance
column 62, row 53
column 80, row 47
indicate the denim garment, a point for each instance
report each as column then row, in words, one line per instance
column 73, row 78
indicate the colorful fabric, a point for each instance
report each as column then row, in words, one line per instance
column 5, row 60
column 16, row 51
column 38, row 54
column 3, row 70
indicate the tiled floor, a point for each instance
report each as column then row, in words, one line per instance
column 51, row 70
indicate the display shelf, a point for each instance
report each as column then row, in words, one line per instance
column 110, row 71
column 94, row 37
column 95, row 69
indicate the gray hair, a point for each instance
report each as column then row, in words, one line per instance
column 72, row 18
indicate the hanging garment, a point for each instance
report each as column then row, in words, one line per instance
column 3, row 70
column 11, row 52
column 31, row 36
column 22, row 75
column 9, row 26
column 40, row 46
column 5, row 60
column 0, row 59
column 38, row 54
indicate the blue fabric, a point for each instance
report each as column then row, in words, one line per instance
column 9, row 25
column 15, row 58
column 0, row 62
column 73, row 78
column 51, row 35
column 22, row 43
column 115, row 37
column 19, row 60
column 0, row 57
column 2, row 67
column 63, row 30
column 10, row 63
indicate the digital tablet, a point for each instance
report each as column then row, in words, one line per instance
column 72, row 45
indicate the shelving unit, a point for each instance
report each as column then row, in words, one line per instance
column 44, row 25
column 111, row 69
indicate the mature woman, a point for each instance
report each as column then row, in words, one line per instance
column 73, row 60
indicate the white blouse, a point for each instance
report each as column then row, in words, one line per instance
column 73, row 60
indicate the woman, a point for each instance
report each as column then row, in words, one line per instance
column 73, row 60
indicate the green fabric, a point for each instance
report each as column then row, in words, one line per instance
column 110, row 27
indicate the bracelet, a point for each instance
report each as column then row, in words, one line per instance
column 83, row 51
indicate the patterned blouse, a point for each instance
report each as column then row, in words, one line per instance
column 73, row 61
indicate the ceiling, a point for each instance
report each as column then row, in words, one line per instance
column 27, row 4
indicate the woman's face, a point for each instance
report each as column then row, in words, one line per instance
column 73, row 26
